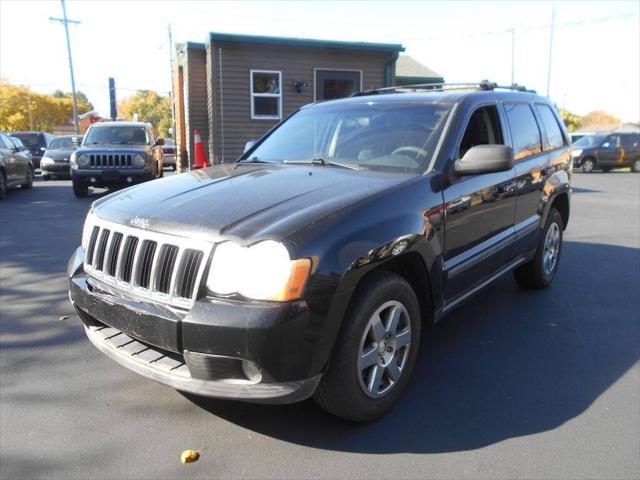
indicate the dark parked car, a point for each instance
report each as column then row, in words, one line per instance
column 36, row 142
column 16, row 168
column 169, row 153
column 116, row 154
column 56, row 159
column 21, row 148
column 311, row 265
column 605, row 151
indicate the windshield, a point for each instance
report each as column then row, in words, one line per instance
column 589, row 141
column 29, row 139
column 118, row 135
column 16, row 141
column 65, row 143
column 398, row 136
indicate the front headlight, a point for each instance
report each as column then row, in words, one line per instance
column 46, row 161
column 87, row 229
column 82, row 160
column 138, row 160
column 576, row 153
column 262, row 271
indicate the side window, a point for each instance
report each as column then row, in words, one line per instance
column 483, row 129
column 630, row 141
column 550, row 124
column 612, row 141
column 525, row 133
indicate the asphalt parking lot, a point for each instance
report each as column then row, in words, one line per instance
column 513, row 384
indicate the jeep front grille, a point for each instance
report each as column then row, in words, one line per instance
column 106, row 160
column 151, row 265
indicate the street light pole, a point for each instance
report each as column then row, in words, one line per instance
column 66, row 23
column 553, row 27
column 513, row 56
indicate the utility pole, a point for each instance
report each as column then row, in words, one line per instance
column 29, row 108
column 173, row 113
column 66, row 23
column 513, row 56
column 553, row 27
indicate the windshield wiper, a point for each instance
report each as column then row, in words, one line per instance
column 321, row 162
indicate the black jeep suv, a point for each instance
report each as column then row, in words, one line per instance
column 310, row 266
column 115, row 154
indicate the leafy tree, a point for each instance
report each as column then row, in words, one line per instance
column 599, row 117
column 47, row 111
column 82, row 98
column 571, row 120
column 148, row 106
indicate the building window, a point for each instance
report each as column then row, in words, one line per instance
column 266, row 94
column 330, row 84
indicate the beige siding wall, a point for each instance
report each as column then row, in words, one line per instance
column 232, row 125
column 195, row 93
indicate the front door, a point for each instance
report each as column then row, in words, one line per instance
column 330, row 84
column 479, row 213
column 610, row 154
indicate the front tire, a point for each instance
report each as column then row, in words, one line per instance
column 80, row 190
column 635, row 166
column 375, row 352
column 588, row 165
column 28, row 182
column 3, row 185
column 541, row 270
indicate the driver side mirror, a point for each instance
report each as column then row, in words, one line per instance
column 159, row 142
column 249, row 145
column 485, row 159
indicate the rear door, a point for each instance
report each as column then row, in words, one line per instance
column 479, row 212
column 532, row 169
column 6, row 151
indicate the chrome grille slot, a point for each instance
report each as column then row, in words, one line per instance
column 146, row 263
column 92, row 244
column 98, row 262
column 166, row 264
column 129, row 254
column 187, row 273
column 151, row 265
column 114, row 252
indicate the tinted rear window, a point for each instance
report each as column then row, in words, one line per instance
column 30, row 139
column 630, row 141
column 525, row 133
column 554, row 134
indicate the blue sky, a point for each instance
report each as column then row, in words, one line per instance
column 595, row 63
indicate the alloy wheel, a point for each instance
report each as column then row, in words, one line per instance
column 551, row 248
column 384, row 349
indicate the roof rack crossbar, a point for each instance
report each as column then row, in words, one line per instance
column 440, row 87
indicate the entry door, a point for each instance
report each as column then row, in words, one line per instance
column 330, row 84
column 610, row 152
column 6, row 152
column 479, row 213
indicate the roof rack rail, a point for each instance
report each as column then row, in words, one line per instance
column 485, row 85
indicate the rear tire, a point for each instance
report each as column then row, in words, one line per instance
column 28, row 183
column 80, row 190
column 635, row 166
column 3, row 185
column 588, row 165
column 375, row 352
column 541, row 270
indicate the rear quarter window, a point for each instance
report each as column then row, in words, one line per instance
column 555, row 139
column 525, row 134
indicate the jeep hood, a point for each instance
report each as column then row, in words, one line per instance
column 248, row 202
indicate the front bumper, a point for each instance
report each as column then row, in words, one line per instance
column 56, row 168
column 105, row 178
column 202, row 350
